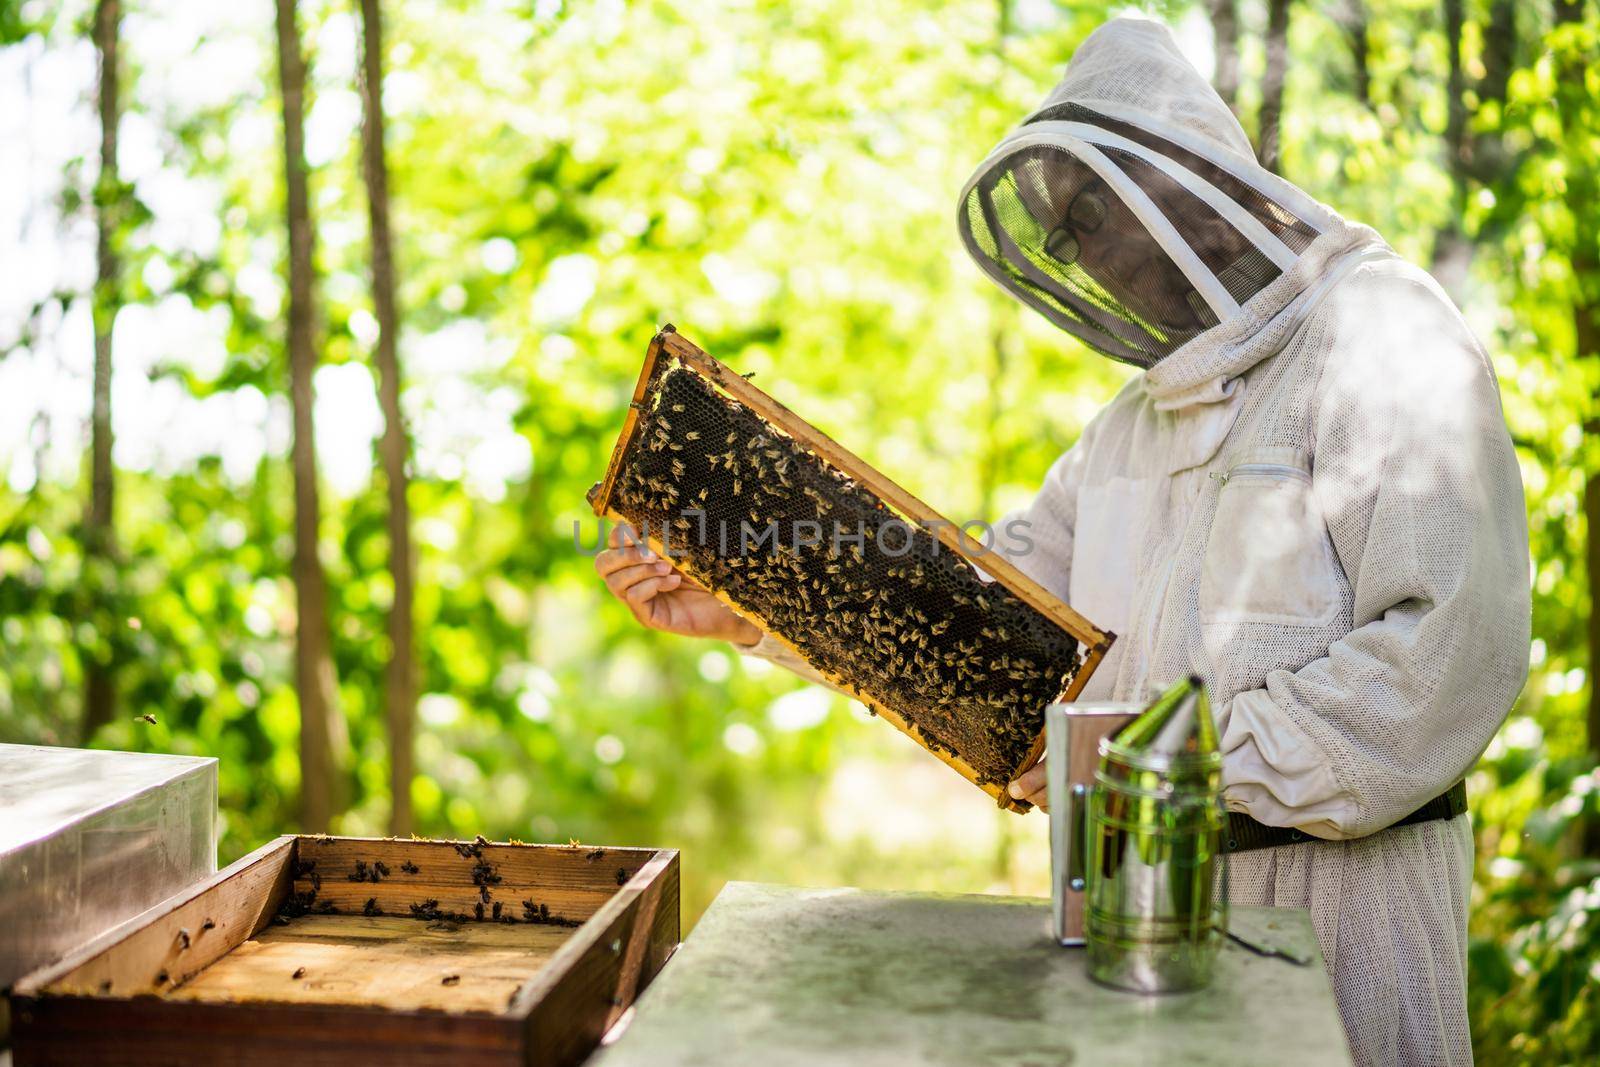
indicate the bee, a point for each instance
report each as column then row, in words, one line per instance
column 183, row 938
column 450, row 979
column 147, row 717
column 410, row 868
column 299, row 972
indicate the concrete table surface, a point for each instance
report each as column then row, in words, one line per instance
column 779, row 976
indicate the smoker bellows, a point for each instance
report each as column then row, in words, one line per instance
column 866, row 583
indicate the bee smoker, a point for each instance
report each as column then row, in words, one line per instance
column 1138, row 870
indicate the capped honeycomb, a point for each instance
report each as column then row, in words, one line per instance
column 873, row 601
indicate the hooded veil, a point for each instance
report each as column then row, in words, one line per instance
column 1129, row 209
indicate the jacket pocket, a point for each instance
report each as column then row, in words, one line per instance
column 1268, row 558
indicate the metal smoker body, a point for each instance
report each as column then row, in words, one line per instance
column 1137, row 826
column 1073, row 733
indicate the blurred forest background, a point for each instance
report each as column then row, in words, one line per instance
column 463, row 309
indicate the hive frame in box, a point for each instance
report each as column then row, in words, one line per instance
column 667, row 347
column 111, row 1001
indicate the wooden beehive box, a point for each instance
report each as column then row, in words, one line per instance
column 945, row 639
column 332, row 950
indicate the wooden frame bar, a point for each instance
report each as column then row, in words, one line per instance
column 120, row 999
column 669, row 346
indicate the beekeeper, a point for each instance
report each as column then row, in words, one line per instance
column 1308, row 497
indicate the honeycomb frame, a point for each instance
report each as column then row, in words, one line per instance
column 670, row 351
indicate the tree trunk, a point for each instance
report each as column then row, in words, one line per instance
column 99, row 697
column 1452, row 250
column 1351, row 15
column 400, row 690
column 314, row 674
column 1272, row 83
column 1590, row 313
column 1586, row 323
column 1225, row 35
column 1581, row 190
column 1499, row 50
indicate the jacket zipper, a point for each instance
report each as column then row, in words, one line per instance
column 1275, row 469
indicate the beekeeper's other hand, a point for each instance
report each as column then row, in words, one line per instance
column 1030, row 786
column 663, row 597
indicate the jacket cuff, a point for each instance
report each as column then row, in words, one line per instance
column 766, row 647
column 772, row 650
column 1274, row 772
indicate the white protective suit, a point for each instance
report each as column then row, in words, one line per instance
column 1309, row 499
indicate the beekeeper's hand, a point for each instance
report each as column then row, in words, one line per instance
column 663, row 597
column 1030, row 786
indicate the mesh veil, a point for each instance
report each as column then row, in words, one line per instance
column 1134, row 241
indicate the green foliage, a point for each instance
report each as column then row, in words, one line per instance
column 1535, row 947
column 778, row 180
